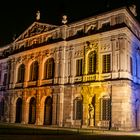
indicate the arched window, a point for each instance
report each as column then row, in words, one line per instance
column 18, row 110
column 34, row 71
column 21, row 73
column 105, row 108
column 92, row 60
column 32, row 111
column 78, row 109
column 48, row 111
column 49, row 69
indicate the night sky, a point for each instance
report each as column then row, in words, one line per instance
column 16, row 16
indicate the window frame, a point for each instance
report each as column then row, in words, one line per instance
column 105, row 108
column 34, row 71
column 79, row 67
column 78, row 106
column 92, row 62
column 49, row 68
column 21, row 74
column 106, row 66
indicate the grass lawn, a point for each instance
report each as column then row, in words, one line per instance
column 30, row 132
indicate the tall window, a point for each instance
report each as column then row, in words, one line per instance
column 106, row 63
column 5, row 79
column 92, row 60
column 78, row 109
column 131, row 66
column 21, row 73
column 79, row 65
column 105, row 109
column 34, row 71
column 49, row 69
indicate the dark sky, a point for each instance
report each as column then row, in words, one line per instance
column 18, row 15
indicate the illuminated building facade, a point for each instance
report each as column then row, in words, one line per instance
column 83, row 74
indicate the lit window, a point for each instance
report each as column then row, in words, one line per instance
column 34, row 71
column 106, row 63
column 92, row 60
column 49, row 69
column 79, row 65
column 21, row 73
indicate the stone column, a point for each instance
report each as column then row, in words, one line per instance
column 54, row 111
column 57, row 67
column 38, row 122
column 12, row 111
column 85, row 121
column 62, row 63
column 72, row 64
column 61, row 103
column 11, row 70
column 24, row 109
column 6, row 117
column 72, row 106
column 40, row 73
column 26, row 75
column 122, row 53
column 113, row 56
column 13, row 75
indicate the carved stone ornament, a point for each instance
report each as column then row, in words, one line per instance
column 91, row 46
column 46, row 52
column 35, row 29
column 79, row 53
column 19, row 59
column 106, row 47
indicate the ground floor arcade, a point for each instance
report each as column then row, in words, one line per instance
column 111, row 105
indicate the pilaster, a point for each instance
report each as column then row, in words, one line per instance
column 61, row 104
column 24, row 109
column 55, row 109
column 38, row 122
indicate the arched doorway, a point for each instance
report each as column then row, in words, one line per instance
column 48, row 111
column 32, row 111
column 1, row 109
column 18, row 111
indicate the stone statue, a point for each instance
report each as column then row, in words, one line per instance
column 91, row 111
column 133, row 9
column 91, row 115
column 38, row 15
column 64, row 19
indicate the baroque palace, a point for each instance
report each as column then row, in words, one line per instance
column 84, row 74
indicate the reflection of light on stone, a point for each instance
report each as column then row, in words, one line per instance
column 105, row 72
